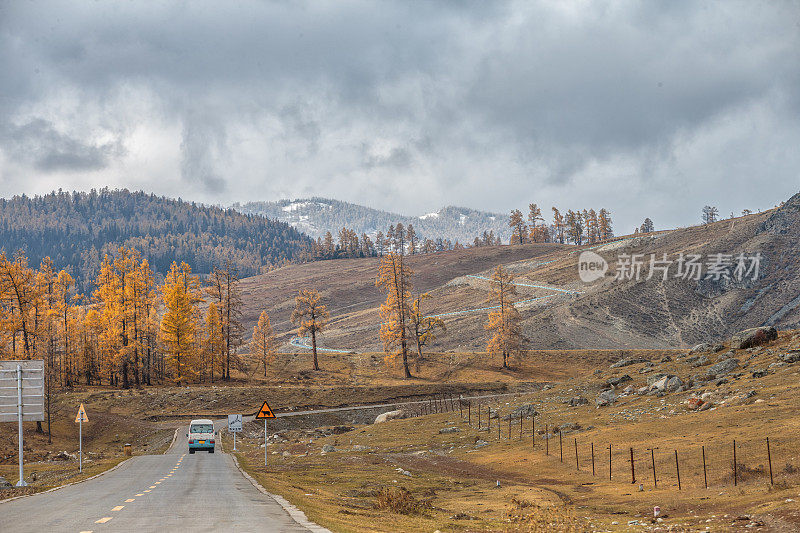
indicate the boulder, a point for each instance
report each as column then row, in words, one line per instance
column 792, row 356
column 450, row 430
column 616, row 382
column 568, row 428
column 700, row 361
column 656, row 377
column 753, row 337
column 724, row 367
column 666, row 359
column 707, row 347
column 577, row 400
column 605, row 398
column 694, row 403
column 326, row 448
column 630, row 389
column 526, row 411
column 726, row 355
column 391, row 415
column 660, row 385
column 481, row 443
column 64, row 456
column 629, row 361
column 5, row 484
column 760, row 373
column 674, row 384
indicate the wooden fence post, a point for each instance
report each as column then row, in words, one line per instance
column 533, row 432
column 769, row 458
column 469, row 413
column 633, row 472
column 653, row 461
column 593, row 458
column 609, row 462
column 735, row 466
column 577, row 464
column 705, row 475
column 546, row 441
column 678, row 469
column 561, row 444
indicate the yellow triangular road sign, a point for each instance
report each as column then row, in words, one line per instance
column 265, row 412
column 81, row 416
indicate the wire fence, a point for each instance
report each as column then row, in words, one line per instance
column 715, row 463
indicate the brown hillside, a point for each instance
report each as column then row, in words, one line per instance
column 607, row 313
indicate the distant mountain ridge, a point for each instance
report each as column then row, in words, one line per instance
column 316, row 216
column 77, row 229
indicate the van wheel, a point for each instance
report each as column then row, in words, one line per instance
column 211, row 450
column 191, row 451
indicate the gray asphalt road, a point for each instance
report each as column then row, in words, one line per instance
column 171, row 492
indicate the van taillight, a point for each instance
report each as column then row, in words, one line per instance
column 212, row 441
column 191, row 441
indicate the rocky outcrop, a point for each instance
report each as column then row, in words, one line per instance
column 605, row 398
column 577, row 400
column 753, row 337
column 629, row 361
column 616, row 382
column 391, row 415
column 723, row 368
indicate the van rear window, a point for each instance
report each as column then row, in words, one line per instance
column 202, row 428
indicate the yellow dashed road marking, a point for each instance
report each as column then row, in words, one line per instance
column 103, row 520
column 129, row 500
column 158, row 483
column 87, row 531
column 148, row 490
column 118, row 508
column 140, row 494
column 151, row 487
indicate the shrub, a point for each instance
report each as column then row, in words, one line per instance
column 400, row 500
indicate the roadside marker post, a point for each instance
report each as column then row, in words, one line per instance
column 21, row 398
column 264, row 413
column 234, row 426
column 80, row 418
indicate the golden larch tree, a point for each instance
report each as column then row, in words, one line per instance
column 179, row 332
column 604, row 225
column 264, row 344
column 504, row 319
column 519, row 230
column 394, row 278
column 311, row 316
column 424, row 328
column 213, row 343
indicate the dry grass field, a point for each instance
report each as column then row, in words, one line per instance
column 448, row 481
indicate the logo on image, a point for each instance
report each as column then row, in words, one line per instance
column 591, row 266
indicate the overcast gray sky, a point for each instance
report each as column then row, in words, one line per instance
column 648, row 109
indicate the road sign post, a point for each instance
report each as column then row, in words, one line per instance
column 27, row 377
column 234, row 426
column 265, row 412
column 80, row 418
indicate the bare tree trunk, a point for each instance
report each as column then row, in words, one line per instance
column 314, row 347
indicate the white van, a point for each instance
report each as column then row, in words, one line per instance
column 201, row 435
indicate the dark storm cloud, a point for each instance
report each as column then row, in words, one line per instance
column 39, row 144
column 408, row 106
